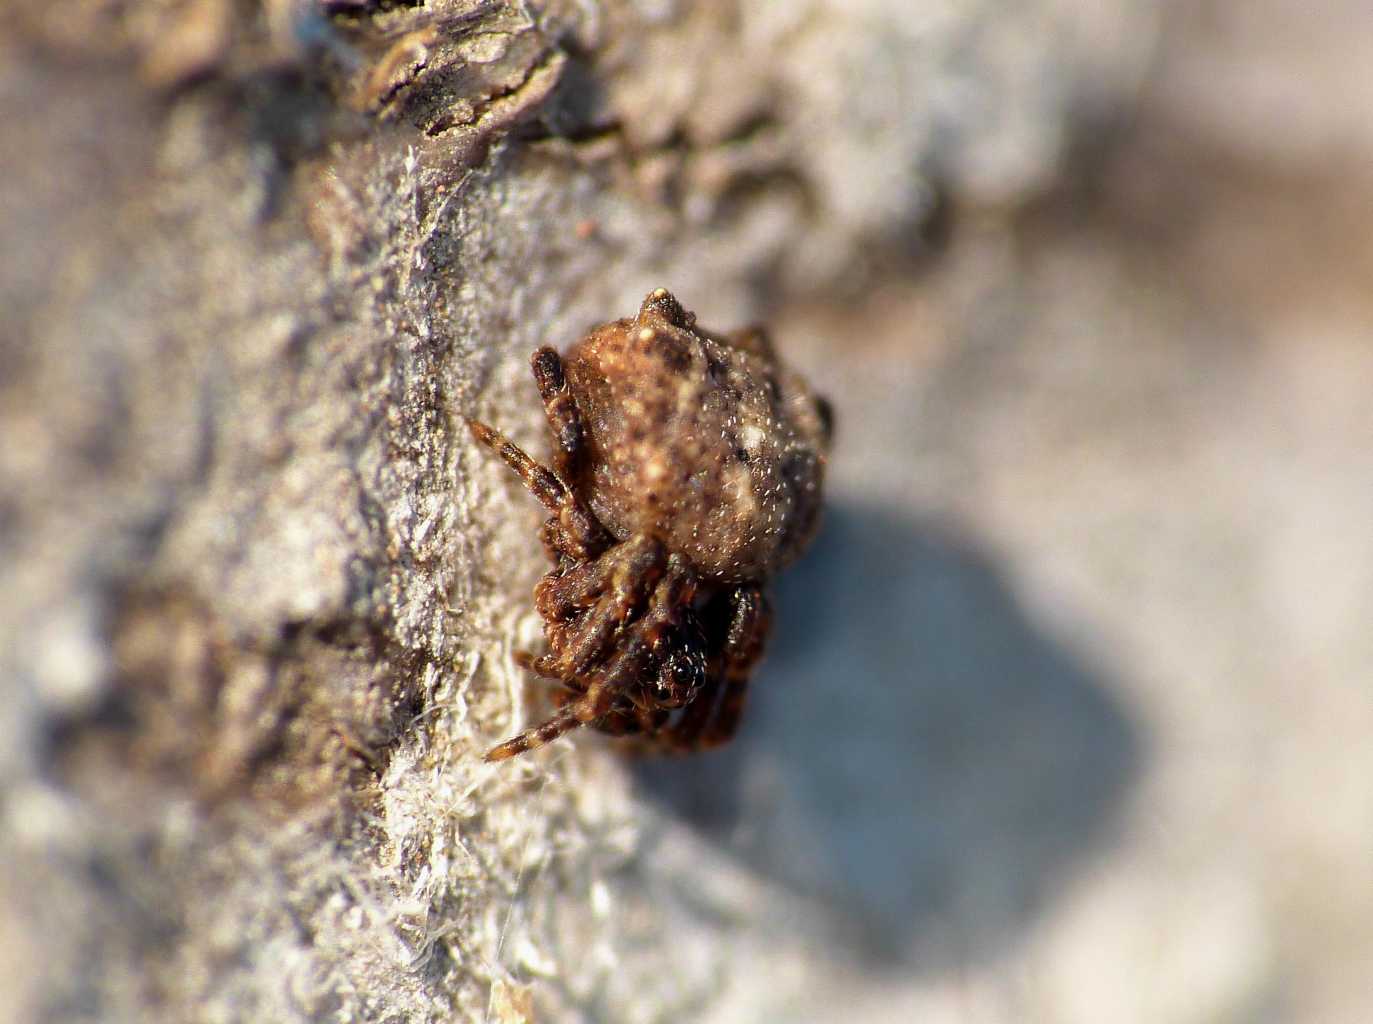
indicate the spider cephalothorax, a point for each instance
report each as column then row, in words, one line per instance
column 687, row 470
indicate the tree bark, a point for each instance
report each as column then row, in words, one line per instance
column 258, row 590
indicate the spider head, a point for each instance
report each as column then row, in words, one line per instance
column 681, row 675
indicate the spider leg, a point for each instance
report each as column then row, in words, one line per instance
column 641, row 645
column 540, row 664
column 542, row 482
column 565, row 719
column 562, row 592
column 573, row 529
column 625, row 575
column 632, row 568
column 650, row 719
column 632, row 720
column 628, row 572
column 744, row 643
column 564, row 418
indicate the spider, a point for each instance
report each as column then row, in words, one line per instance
column 687, row 470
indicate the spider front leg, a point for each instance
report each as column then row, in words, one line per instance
column 661, row 662
column 564, row 418
column 585, row 606
column 572, row 529
column 650, row 671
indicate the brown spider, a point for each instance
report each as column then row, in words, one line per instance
column 687, row 470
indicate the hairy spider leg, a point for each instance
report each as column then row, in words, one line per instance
column 632, row 720
column 564, row 592
column 540, row 664
column 744, row 645
column 603, row 595
column 564, row 720
column 633, row 570
column 560, row 596
column 624, row 719
column 623, row 577
column 576, row 532
column 564, row 418
column 606, row 690
column 671, row 599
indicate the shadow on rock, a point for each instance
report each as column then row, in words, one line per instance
column 917, row 755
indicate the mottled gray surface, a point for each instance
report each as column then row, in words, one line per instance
column 1069, row 702
column 1100, row 547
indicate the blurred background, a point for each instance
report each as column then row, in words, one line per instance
column 1102, row 501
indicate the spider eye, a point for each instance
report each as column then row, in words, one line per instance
column 681, row 675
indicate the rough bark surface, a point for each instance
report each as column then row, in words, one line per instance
column 258, row 590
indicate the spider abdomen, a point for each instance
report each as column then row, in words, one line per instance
column 704, row 441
